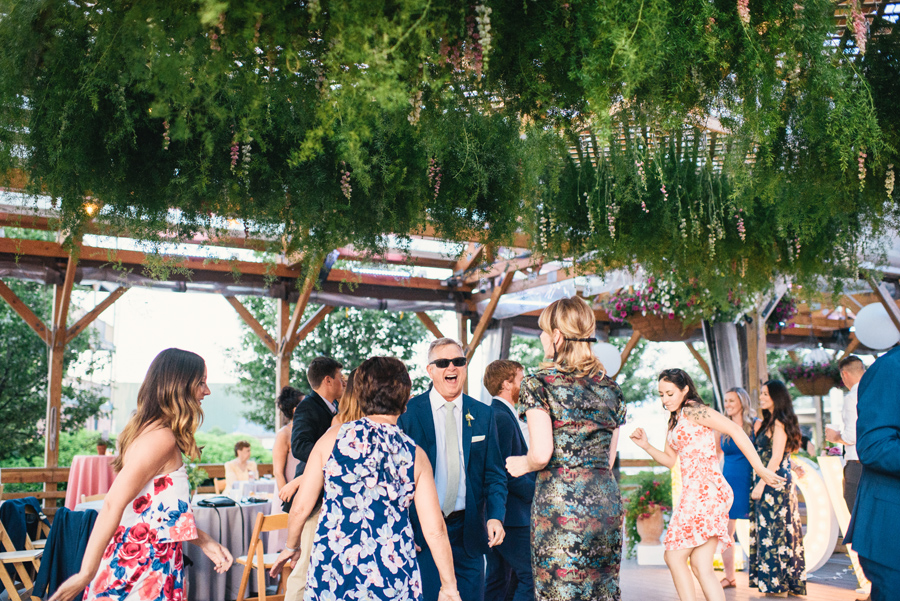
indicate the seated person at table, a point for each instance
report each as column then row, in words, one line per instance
column 241, row 467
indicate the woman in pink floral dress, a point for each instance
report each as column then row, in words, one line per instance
column 699, row 524
column 134, row 552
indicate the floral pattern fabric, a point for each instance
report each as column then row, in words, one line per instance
column 702, row 509
column 576, row 534
column 364, row 545
column 143, row 561
column 777, row 562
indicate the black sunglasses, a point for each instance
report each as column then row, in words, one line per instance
column 445, row 363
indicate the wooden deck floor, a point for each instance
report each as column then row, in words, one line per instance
column 833, row 582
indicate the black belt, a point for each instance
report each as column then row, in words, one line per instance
column 456, row 515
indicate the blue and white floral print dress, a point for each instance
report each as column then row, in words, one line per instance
column 143, row 561
column 364, row 545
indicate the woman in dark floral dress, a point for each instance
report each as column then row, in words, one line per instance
column 573, row 412
column 777, row 564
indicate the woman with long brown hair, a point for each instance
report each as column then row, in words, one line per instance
column 699, row 524
column 777, row 564
column 134, row 552
column 577, row 509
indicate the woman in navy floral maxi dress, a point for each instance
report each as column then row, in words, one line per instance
column 371, row 473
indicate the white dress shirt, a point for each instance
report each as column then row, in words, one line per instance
column 440, row 467
column 522, row 425
column 330, row 404
column 848, row 430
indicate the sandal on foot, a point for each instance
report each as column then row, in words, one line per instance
column 726, row 583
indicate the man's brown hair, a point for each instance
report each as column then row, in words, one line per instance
column 498, row 372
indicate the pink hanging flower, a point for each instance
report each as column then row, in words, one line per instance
column 860, row 26
column 743, row 9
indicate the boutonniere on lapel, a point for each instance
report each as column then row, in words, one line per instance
column 469, row 419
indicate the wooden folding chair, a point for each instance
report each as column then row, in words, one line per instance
column 255, row 559
column 18, row 559
column 89, row 498
column 43, row 531
column 219, row 483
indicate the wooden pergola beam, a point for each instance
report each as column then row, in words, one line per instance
column 311, row 278
column 308, row 327
column 885, row 298
column 88, row 318
column 626, row 352
column 27, row 315
column 696, row 354
column 253, row 324
column 429, row 324
column 488, row 314
column 854, row 344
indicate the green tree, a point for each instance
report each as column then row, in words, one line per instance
column 23, row 380
column 348, row 335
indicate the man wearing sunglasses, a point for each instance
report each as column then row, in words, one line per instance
column 459, row 436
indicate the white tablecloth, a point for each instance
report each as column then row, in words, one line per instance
column 233, row 527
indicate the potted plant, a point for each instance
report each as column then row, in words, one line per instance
column 813, row 379
column 104, row 441
column 782, row 315
column 646, row 508
column 196, row 475
column 660, row 309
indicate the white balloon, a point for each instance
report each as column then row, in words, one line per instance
column 874, row 328
column 609, row 356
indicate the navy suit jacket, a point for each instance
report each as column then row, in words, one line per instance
column 876, row 514
column 312, row 419
column 485, row 470
column 512, row 443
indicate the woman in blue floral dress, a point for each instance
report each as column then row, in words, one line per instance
column 574, row 411
column 371, row 473
column 134, row 553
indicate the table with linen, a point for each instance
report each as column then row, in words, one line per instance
column 203, row 583
column 89, row 475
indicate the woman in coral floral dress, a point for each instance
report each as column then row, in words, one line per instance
column 699, row 525
column 134, row 552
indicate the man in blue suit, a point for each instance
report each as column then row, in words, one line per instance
column 509, row 576
column 459, row 436
column 876, row 515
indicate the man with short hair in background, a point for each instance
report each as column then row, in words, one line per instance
column 312, row 418
column 852, row 371
column 509, row 576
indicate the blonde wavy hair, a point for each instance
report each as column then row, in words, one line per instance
column 349, row 409
column 748, row 415
column 168, row 396
column 574, row 318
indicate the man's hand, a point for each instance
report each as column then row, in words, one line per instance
column 286, row 556
column 496, row 533
column 832, row 435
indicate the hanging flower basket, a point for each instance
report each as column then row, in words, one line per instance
column 814, row 379
column 657, row 328
column 818, row 386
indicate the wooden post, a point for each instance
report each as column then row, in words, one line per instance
column 463, row 340
column 282, row 358
column 757, row 370
column 58, row 338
